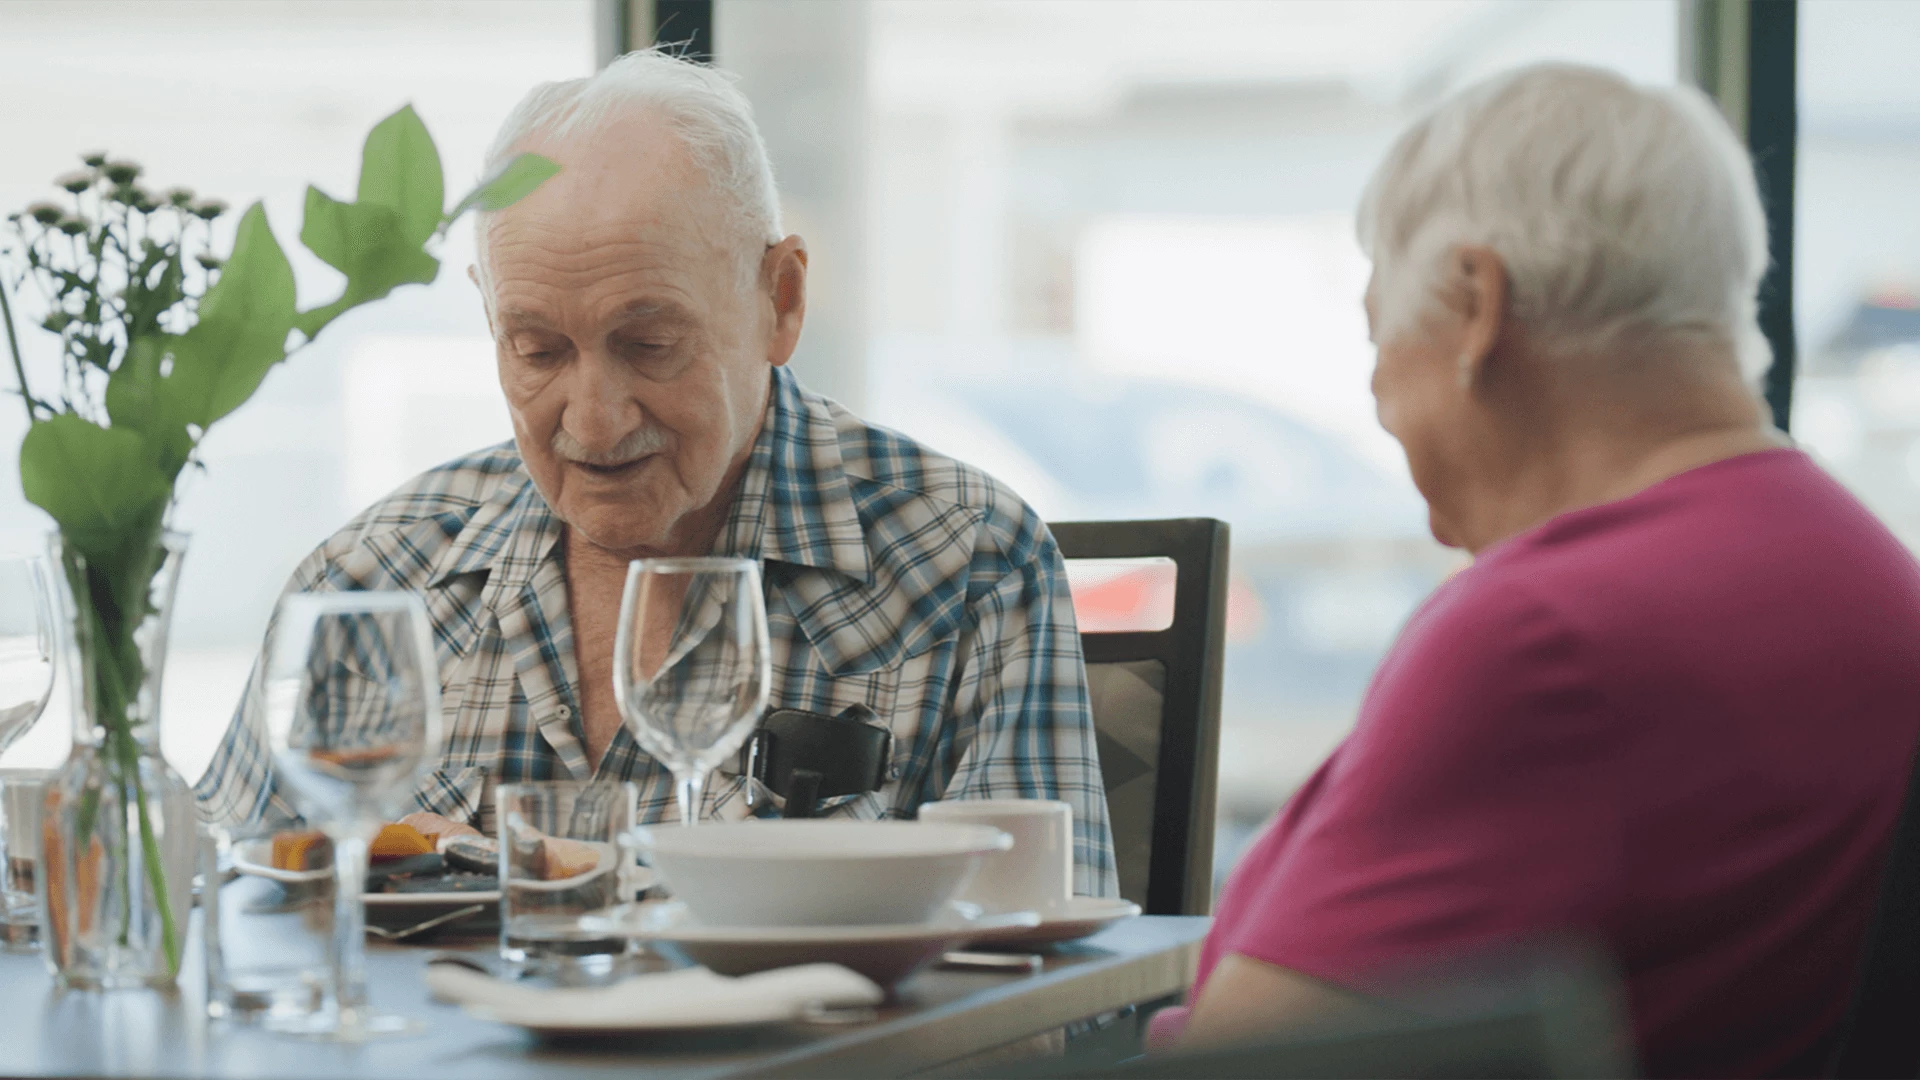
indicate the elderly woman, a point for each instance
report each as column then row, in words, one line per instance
column 1673, row 703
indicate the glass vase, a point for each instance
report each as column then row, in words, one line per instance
column 117, row 830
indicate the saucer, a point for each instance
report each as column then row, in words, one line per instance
column 1083, row 916
column 885, row 954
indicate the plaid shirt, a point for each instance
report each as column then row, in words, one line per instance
column 895, row 578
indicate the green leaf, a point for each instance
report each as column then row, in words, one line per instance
column 218, row 364
column 133, row 389
column 365, row 242
column 241, row 333
column 508, row 186
column 400, row 170
column 100, row 484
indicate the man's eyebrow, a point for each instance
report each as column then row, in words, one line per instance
column 653, row 309
column 519, row 316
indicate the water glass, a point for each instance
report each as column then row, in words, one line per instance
column 691, row 664
column 352, row 692
column 564, row 854
column 266, row 929
column 21, row 793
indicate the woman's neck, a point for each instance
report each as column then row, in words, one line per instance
column 1589, row 445
column 1603, row 475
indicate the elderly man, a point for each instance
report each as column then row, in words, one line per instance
column 1672, row 706
column 643, row 304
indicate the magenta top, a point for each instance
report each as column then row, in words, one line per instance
column 1680, row 724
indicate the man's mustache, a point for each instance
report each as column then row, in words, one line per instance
column 639, row 444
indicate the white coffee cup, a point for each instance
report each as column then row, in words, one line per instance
column 1037, row 873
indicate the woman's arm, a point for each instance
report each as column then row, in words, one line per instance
column 1251, row 1000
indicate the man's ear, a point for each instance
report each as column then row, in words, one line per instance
column 783, row 274
column 1481, row 290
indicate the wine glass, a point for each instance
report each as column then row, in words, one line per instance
column 691, row 664
column 26, row 682
column 352, row 695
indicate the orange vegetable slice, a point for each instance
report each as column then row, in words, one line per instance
column 398, row 842
column 298, row 850
column 436, row 828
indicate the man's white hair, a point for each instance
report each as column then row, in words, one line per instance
column 704, row 108
column 1618, row 209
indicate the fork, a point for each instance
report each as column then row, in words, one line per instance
column 419, row 928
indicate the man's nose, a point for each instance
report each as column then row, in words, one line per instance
column 601, row 409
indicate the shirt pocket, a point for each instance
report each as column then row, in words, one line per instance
column 832, row 695
column 909, row 700
column 458, row 794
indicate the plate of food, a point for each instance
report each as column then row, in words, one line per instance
column 425, row 865
column 423, row 861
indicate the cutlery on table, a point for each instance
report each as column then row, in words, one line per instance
column 1003, row 963
column 434, row 923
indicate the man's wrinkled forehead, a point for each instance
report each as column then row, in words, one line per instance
column 631, row 180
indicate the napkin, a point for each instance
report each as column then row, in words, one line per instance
column 691, row 996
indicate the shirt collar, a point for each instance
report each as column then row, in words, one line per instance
column 513, row 527
column 795, row 504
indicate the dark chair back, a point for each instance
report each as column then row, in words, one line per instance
column 1881, row 1037
column 1156, row 710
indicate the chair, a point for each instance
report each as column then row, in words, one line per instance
column 1156, row 710
column 1881, row 1035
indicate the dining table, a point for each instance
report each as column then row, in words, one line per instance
column 940, row 1019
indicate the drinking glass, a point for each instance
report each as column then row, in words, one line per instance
column 563, row 856
column 22, row 791
column 266, row 931
column 352, row 695
column 26, row 681
column 691, row 665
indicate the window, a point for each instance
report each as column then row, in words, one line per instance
column 1105, row 251
column 1857, row 253
column 242, row 101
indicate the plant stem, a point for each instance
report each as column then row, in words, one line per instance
column 116, row 672
column 13, row 347
column 150, row 855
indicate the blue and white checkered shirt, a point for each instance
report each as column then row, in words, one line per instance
column 895, row 577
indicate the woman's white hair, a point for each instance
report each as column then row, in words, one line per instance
column 705, row 109
column 1618, row 210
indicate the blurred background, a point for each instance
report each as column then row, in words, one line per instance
column 1101, row 248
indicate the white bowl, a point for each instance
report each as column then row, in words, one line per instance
column 818, row 873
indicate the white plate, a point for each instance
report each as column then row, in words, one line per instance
column 255, row 858
column 1084, row 917
column 885, row 954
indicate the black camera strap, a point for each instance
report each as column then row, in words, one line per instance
column 803, row 757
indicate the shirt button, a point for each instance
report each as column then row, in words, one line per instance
column 564, row 712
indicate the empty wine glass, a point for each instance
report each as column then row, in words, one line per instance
column 26, row 682
column 352, row 695
column 691, row 665
column 26, row 644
